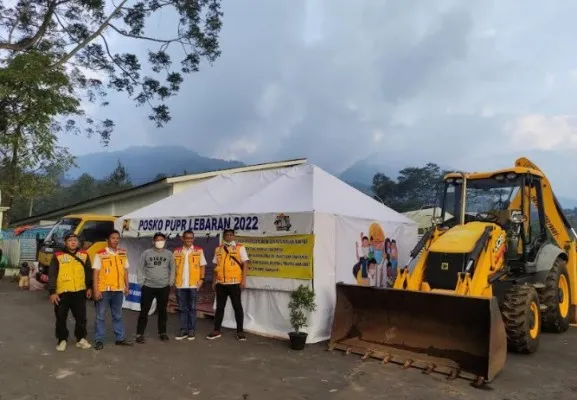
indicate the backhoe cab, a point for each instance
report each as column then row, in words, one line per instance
column 487, row 280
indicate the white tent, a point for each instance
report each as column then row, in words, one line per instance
column 300, row 200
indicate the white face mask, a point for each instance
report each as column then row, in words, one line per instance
column 229, row 243
column 160, row 244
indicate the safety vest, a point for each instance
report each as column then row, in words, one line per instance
column 112, row 270
column 227, row 270
column 71, row 276
column 195, row 272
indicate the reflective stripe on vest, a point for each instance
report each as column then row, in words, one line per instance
column 227, row 270
column 194, row 268
column 71, row 277
column 112, row 270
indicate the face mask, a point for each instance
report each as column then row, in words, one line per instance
column 159, row 244
column 228, row 243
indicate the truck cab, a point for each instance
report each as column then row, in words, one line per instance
column 92, row 230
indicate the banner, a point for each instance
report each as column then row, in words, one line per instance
column 247, row 224
column 370, row 253
column 136, row 246
column 288, row 257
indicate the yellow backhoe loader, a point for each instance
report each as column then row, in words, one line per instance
column 486, row 281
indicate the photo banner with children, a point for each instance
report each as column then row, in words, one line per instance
column 370, row 253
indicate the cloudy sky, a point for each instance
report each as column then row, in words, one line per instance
column 466, row 84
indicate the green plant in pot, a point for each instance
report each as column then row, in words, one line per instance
column 301, row 304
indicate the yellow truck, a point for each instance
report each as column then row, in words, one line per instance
column 91, row 229
column 485, row 282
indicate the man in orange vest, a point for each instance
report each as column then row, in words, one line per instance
column 190, row 263
column 69, row 285
column 110, row 280
column 231, row 264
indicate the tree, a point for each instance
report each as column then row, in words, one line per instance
column 117, row 181
column 418, row 186
column 76, row 34
column 385, row 190
column 159, row 176
column 415, row 188
column 30, row 98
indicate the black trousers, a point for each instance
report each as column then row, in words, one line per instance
column 75, row 302
column 147, row 295
column 223, row 292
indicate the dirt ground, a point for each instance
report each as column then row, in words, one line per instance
column 260, row 368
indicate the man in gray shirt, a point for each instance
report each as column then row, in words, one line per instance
column 155, row 276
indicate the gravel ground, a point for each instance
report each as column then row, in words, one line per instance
column 260, row 368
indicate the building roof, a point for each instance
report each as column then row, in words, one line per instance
column 158, row 184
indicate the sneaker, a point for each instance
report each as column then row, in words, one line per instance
column 98, row 346
column 240, row 336
column 61, row 346
column 123, row 342
column 140, row 339
column 182, row 335
column 213, row 335
column 164, row 337
column 191, row 335
column 83, row 344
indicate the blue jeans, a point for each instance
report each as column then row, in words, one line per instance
column 114, row 301
column 187, row 306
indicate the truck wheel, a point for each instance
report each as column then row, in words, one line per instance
column 557, row 297
column 522, row 318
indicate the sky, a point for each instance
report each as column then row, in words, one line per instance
column 466, row 84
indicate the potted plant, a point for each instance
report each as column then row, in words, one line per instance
column 302, row 302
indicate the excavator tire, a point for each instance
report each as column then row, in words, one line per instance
column 556, row 296
column 522, row 318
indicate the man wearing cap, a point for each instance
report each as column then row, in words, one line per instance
column 231, row 264
column 69, row 285
column 155, row 276
column 110, row 279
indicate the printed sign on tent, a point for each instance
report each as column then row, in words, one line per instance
column 288, row 257
column 245, row 224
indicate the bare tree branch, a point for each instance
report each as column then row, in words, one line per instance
column 123, row 33
column 90, row 38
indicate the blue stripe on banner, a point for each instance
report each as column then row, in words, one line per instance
column 133, row 292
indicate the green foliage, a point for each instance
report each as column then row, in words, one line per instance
column 302, row 302
column 30, row 99
column 84, row 188
column 78, row 34
column 416, row 187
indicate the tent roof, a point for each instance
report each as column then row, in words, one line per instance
column 302, row 188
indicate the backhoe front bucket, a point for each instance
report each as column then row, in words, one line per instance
column 450, row 334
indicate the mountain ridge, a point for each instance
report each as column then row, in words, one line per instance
column 144, row 163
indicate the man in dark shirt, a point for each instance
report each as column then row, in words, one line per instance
column 69, row 285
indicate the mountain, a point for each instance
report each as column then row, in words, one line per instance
column 360, row 175
column 143, row 163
